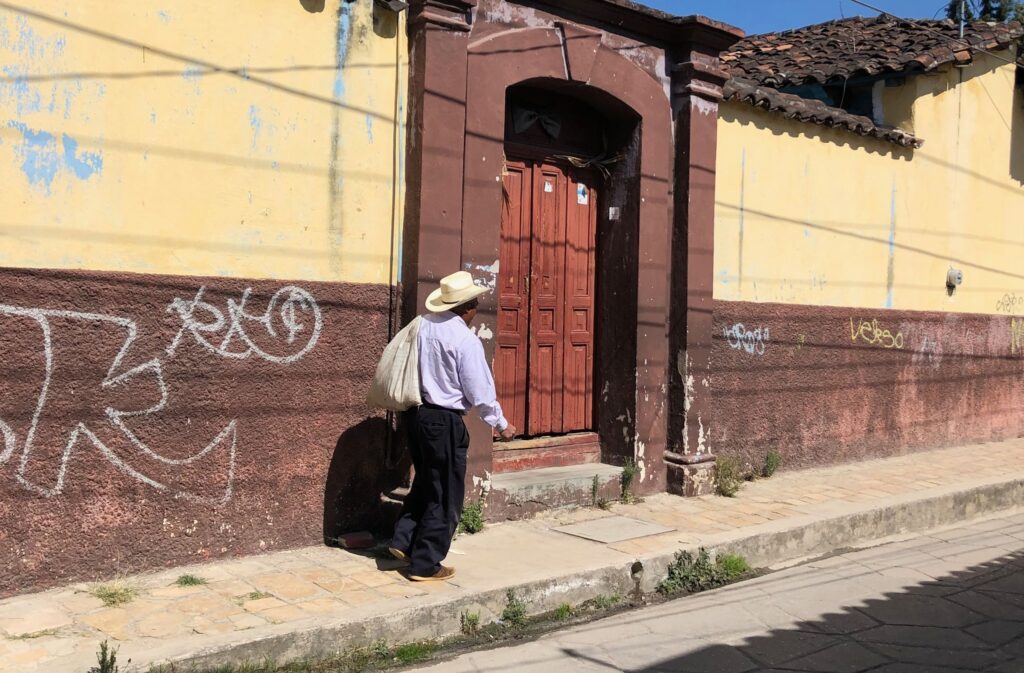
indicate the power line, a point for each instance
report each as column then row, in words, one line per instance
column 965, row 43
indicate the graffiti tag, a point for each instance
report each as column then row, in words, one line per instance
column 751, row 341
column 231, row 335
column 1010, row 303
column 873, row 334
column 292, row 319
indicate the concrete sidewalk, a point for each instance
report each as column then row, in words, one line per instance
column 315, row 601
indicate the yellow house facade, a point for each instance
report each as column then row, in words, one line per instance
column 836, row 234
column 202, row 204
column 818, row 216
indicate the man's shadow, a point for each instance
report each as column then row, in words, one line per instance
column 369, row 462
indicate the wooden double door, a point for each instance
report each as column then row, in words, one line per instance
column 544, row 361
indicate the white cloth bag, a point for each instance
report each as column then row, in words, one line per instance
column 396, row 384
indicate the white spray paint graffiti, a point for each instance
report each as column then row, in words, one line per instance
column 289, row 303
column 751, row 341
column 236, row 342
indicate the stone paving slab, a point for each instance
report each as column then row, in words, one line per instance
column 313, row 601
column 615, row 529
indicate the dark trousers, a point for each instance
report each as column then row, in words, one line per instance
column 439, row 442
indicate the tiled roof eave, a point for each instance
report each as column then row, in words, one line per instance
column 808, row 111
column 837, row 51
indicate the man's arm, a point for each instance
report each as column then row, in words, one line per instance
column 478, row 386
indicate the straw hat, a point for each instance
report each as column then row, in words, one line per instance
column 455, row 289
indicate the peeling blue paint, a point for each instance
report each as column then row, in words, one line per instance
column 369, row 127
column 152, row 117
column 891, row 273
column 39, row 159
column 26, row 99
column 256, row 122
column 42, row 159
column 82, row 165
column 164, row 16
column 344, row 33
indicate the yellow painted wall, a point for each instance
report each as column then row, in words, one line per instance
column 202, row 138
column 809, row 215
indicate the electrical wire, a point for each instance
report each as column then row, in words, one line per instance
column 1019, row 64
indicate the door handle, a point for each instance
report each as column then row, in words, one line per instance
column 526, row 282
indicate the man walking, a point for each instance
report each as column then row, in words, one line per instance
column 454, row 378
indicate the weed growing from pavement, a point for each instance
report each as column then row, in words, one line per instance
column 190, row 581
column 733, row 566
column 253, row 596
column 469, row 623
column 564, row 612
column 772, row 462
column 117, row 592
column 472, row 520
column 514, row 614
column 629, row 472
column 595, row 495
column 35, row 634
column 691, row 574
column 728, row 476
column 605, row 601
column 106, row 660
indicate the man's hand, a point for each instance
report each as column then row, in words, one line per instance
column 508, row 434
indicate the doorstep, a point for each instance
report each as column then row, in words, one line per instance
column 517, row 495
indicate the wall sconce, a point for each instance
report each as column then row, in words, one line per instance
column 954, row 278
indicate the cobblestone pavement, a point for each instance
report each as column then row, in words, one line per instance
column 58, row 631
column 947, row 602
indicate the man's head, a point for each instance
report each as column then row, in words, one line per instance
column 467, row 311
column 456, row 292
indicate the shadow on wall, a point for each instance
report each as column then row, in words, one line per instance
column 967, row 621
column 779, row 125
column 365, row 465
column 313, row 5
column 1017, row 131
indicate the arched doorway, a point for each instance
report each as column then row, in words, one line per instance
column 563, row 145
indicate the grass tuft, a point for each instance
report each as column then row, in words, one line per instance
column 733, row 566
column 629, row 473
column 190, row 581
column 605, row 601
column 728, row 477
column 564, row 612
column 472, row 520
column 114, row 593
column 772, row 462
column 470, row 623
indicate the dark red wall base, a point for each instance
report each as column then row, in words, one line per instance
column 152, row 421
column 827, row 385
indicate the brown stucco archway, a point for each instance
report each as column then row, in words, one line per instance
column 464, row 56
column 500, row 61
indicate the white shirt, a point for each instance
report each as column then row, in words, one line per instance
column 453, row 369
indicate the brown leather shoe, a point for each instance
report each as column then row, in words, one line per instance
column 399, row 554
column 445, row 573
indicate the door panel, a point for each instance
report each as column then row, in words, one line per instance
column 513, row 294
column 547, row 305
column 544, row 360
column 580, row 261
